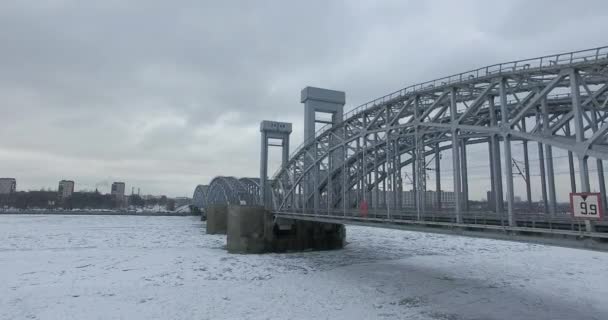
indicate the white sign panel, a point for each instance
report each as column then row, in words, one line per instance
column 586, row 205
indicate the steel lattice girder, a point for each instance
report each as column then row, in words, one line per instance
column 199, row 198
column 233, row 191
column 382, row 131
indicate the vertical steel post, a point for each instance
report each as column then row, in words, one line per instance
column 455, row 156
column 549, row 153
column 364, row 168
column 294, row 194
column 416, row 167
column 527, row 167
column 399, row 177
column 385, row 170
column 438, row 176
column 580, row 137
column 416, row 155
column 421, row 161
column 498, row 195
column 330, row 184
column 551, row 179
column 543, row 185
column 388, row 176
column 359, row 171
column 387, row 183
column 395, row 170
column 376, row 199
column 579, row 130
column 400, row 181
column 315, row 180
column 570, row 162
column 465, row 176
column 601, row 181
column 345, row 199
column 507, row 146
column 492, row 197
column 415, row 182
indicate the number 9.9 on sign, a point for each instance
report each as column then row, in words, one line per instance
column 586, row 205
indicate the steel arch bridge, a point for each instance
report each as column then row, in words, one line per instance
column 199, row 198
column 228, row 191
column 558, row 101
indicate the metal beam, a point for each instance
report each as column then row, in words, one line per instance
column 455, row 157
column 505, row 126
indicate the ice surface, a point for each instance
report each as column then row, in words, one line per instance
column 128, row 267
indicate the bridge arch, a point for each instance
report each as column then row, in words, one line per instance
column 556, row 101
column 225, row 190
column 199, row 198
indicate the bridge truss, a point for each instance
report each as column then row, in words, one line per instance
column 557, row 101
column 229, row 191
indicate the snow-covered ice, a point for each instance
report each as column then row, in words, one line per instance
column 128, row 267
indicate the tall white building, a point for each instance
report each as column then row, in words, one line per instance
column 8, row 185
column 66, row 189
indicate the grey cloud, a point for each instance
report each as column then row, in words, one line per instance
column 166, row 95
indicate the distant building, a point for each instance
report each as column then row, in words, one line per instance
column 66, row 189
column 118, row 189
column 118, row 192
column 8, row 185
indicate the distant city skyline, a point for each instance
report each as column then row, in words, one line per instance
column 101, row 187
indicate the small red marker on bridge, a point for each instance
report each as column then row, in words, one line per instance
column 363, row 208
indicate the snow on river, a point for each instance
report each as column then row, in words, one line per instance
column 126, row 267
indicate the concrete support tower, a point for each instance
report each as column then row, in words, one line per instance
column 276, row 131
column 323, row 101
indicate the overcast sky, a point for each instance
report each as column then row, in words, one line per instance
column 165, row 95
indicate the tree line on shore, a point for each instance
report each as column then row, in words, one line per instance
column 79, row 200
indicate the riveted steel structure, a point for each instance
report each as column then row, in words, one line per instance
column 359, row 159
column 199, row 198
column 233, row 191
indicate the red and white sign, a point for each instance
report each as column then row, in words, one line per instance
column 586, row 205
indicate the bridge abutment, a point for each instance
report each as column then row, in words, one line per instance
column 252, row 229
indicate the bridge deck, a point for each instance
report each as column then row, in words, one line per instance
column 562, row 231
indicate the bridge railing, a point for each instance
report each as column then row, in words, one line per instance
column 561, row 59
column 544, row 62
column 534, row 221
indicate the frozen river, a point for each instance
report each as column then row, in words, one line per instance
column 125, row 267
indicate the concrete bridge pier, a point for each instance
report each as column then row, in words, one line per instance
column 253, row 229
column 300, row 235
column 217, row 219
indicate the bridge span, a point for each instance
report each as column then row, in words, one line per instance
column 381, row 163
